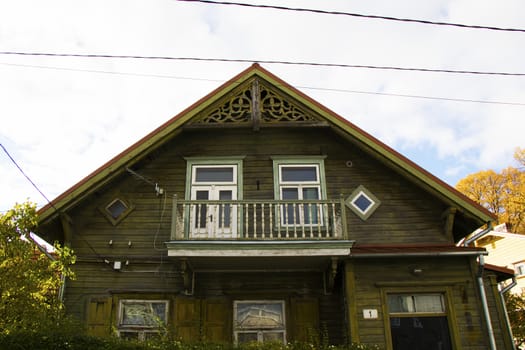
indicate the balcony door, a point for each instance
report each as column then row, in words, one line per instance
column 212, row 214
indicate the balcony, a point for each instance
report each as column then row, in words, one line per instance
column 258, row 227
column 258, row 220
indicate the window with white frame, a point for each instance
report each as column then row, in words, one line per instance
column 259, row 321
column 520, row 269
column 418, row 321
column 300, row 182
column 213, row 184
column 141, row 319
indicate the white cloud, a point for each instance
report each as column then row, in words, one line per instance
column 61, row 125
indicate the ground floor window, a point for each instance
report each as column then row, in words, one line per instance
column 419, row 322
column 141, row 319
column 259, row 321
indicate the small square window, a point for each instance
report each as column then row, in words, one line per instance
column 116, row 210
column 362, row 202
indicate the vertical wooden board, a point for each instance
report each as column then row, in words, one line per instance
column 99, row 317
column 351, row 299
column 217, row 320
column 187, row 318
column 304, row 315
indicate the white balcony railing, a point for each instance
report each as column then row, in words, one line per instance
column 258, row 220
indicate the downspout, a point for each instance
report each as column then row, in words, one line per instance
column 484, row 303
column 510, row 286
column 507, row 320
column 478, row 235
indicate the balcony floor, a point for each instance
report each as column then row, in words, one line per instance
column 273, row 248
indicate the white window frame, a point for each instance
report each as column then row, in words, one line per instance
column 320, row 184
column 520, row 269
column 236, row 186
column 195, row 167
column 140, row 330
column 261, row 330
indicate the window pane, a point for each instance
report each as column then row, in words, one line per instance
column 429, row 303
column 246, row 337
column 400, row 303
column 260, row 315
column 290, row 193
column 224, row 174
column 290, row 211
column 429, row 333
column 129, row 335
column 362, row 202
column 310, row 193
column 224, row 209
column 201, row 213
column 143, row 313
column 273, row 336
column 116, row 208
column 416, row 303
column 299, row 174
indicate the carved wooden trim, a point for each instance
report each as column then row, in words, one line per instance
column 236, row 110
column 276, row 109
column 257, row 105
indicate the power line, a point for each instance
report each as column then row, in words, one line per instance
column 110, row 72
column 298, row 86
column 27, row 177
column 388, row 18
column 233, row 60
column 414, row 96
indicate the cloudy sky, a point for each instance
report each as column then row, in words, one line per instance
column 63, row 117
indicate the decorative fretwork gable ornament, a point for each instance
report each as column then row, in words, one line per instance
column 254, row 104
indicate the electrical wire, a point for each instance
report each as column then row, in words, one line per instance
column 299, row 87
column 388, row 18
column 28, row 178
column 109, row 72
column 234, row 60
column 414, row 96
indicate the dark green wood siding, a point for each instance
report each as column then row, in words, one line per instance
column 407, row 215
column 374, row 278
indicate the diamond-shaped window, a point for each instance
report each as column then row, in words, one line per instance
column 117, row 210
column 362, row 202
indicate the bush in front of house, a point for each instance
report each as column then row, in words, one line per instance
column 63, row 340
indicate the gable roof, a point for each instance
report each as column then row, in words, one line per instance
column 474, row 212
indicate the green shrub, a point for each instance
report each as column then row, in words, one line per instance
column 66, row 340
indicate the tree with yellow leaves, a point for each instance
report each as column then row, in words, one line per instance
column 502, row 193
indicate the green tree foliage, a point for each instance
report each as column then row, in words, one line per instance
column 502, row 193
column 516, row 311
column 30, row 280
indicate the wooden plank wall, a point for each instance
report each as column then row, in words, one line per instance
column 407, row 214
column 451, row 275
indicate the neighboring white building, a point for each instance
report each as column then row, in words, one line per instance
column 507, row 250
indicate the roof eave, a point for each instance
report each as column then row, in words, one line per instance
column 133, row 153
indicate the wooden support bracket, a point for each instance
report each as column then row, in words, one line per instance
column 188, row 277
column 448, row 218
column 329, row 276
column 67, row 228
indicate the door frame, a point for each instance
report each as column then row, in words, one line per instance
column 234, row 161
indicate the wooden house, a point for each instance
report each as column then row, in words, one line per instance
column 258, row 214
column 506, row 249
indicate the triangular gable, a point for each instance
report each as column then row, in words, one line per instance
column 257, row 98
column 255, row 104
